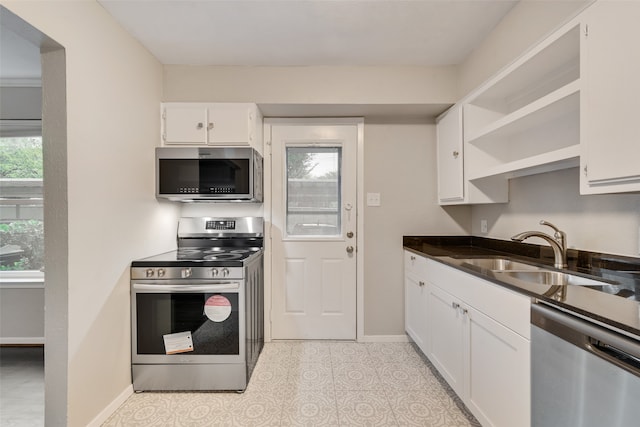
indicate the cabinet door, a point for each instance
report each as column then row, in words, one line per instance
column 446, row 347
column 498, row 388
column 610, row 98
column 416, row 294
column 450, row 164
column 415, row 297
column 185, row 125
column 229, row 124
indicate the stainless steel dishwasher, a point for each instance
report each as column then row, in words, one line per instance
column 583, row 374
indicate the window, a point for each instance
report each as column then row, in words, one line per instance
column 21, row 207
column 314, row 191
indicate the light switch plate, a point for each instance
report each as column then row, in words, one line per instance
column 483, row 226
column 373, row 199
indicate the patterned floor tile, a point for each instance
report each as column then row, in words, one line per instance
column 401, row 376
column 311, row 376
column 275, row 352
column 364, row 408
column 343, row 352
column 258, row 408
column 388, row 352
column 314, row 383
column 356, row 376
column 311, row 352
column 421, row 408
column 144, row 410
column 310, row 408
column 203, row 409
column 268, row 376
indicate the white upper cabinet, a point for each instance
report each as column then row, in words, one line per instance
column 525, row 120
column 453, row 188
column 450, row 155
column 610, row 105
column 234, row 124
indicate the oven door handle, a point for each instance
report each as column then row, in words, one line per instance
column 213, row 287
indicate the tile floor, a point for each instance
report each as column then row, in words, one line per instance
column 21, row 386
column 311, row 383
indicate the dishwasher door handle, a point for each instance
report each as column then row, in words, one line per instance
column 606, row 344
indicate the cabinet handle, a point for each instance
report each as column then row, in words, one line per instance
column 421, row 283
column 412, row 257
column 210, row 126
column 455, row 305
column 465, row 311
column 455, row 154
column 200, row 125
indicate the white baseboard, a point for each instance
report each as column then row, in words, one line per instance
column 111, row 407
column 384, row 338
column 21, row 340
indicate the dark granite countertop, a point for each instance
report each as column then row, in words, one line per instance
column 615, row 303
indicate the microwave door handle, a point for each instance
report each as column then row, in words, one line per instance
column 218, row 287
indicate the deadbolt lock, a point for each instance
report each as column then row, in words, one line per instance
column 350, row 234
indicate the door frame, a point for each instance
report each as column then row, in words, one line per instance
column 268, row 206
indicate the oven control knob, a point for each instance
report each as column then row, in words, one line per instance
column 214, row 272
column 149, row 272
column 225, row 272
column 161, row 272
column 186, row 272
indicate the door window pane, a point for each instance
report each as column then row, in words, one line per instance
column 314, row 191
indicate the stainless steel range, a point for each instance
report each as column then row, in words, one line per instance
column 197, row 312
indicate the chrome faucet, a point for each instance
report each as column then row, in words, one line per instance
column 558, row 242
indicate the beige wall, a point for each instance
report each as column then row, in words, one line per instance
column 400, row 164
column 607, row 223
column 25, row 304
column 113, row 90
column 313, row 85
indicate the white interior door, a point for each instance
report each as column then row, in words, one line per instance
column 313, row 231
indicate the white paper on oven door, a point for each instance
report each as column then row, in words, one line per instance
column 180, row 342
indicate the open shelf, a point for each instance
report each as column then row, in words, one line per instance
column 558, row 103
column 554, row 160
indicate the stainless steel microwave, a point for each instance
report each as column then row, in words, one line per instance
column 213, row 174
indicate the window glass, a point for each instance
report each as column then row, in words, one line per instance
column 21, row 208
column 314, row 191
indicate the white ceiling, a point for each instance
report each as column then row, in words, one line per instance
column 309, row 32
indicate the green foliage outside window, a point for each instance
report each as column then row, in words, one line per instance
column 29, row 236
column 21, row 157
column 21, row 240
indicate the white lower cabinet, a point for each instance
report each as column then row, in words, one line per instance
column 415, row 298
column 447, row 346
column 498, row 378
column 477, row 336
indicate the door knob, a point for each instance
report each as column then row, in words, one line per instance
column 349, row 249
column 350, row 234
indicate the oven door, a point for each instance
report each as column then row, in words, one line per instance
column 187, row 322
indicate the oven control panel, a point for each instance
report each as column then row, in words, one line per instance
column 173, row 273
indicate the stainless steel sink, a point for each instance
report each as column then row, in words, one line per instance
column 550, row 278
column 499, row 264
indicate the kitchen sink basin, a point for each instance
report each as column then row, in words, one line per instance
column 499, row 264
column 550, row 278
